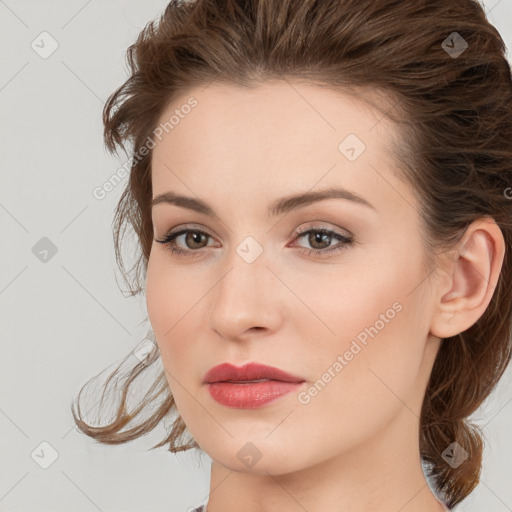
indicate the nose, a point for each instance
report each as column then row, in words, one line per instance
column 248, row 299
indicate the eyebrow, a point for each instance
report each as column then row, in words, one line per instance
column 283, row 205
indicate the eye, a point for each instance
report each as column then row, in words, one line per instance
column 320, row 239
column 195, row 239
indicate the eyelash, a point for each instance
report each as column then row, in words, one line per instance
column 345, row 241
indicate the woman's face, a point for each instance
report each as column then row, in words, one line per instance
column 352, row 323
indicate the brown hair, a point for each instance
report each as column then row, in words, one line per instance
column 454, row 116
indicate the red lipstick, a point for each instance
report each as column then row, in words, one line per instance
column 249, row 386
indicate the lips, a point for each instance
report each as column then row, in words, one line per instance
column 250, row 386
column 250, row 372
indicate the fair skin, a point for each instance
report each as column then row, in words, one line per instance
column 354, row 447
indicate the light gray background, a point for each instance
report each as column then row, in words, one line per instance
column 65, row 320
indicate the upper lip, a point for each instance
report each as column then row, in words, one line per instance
column 227, row 372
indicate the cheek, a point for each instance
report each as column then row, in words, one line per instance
column 357, row 387
column 157, row 294
column 372, row 316
column 168, row 292
column 168, row 299
column 176, row 305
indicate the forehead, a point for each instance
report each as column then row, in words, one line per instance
column 276, row 135
column 280, row 111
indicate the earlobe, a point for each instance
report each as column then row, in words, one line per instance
column 473, row 271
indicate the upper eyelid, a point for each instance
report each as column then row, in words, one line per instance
column 185, row 227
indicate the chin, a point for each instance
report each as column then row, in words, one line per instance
column 260, row 457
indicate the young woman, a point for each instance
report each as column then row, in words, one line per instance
column 321, row 193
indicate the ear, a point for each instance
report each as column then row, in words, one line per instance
column 465, row 285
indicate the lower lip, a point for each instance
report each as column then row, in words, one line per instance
column 250, row 395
